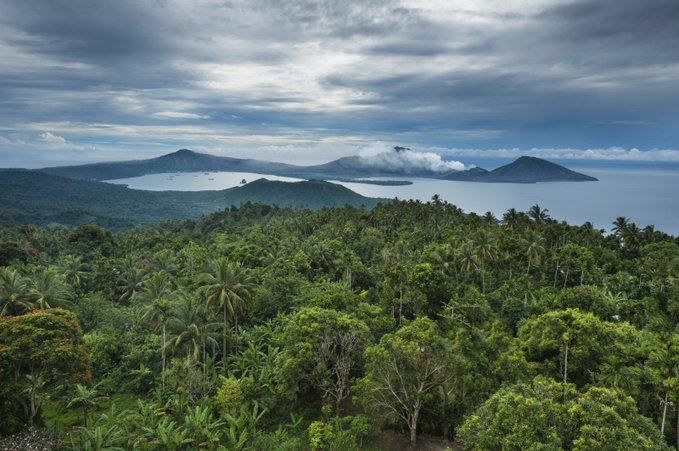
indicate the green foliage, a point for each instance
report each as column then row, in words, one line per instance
column 534, row 416
column 37, row 349
column 405, row 372
column 322, row 351
column 256, row 327
column 339, row 433
column 576, row 343
column 229, row 398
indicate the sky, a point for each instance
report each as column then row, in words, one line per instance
column 306, row 81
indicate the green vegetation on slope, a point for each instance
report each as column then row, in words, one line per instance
column 258, row 328
column 28, row 197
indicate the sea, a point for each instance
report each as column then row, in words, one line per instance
column 646, row 195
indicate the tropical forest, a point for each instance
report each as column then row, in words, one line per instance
column 410, row 325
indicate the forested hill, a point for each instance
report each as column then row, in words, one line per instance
column 273, row 329
column 522, row 170
column 28, row 197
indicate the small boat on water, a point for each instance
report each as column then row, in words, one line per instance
column 210, row 178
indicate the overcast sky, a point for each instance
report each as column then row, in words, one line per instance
column 308, row 81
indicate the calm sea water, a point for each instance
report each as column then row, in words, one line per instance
column 646, row 196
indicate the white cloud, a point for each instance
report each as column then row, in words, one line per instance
column 179, row 115
column 383, row 156
column 52, row 138
column 604, row 154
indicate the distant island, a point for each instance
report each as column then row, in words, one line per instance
column 523, row 170
column 348, row 169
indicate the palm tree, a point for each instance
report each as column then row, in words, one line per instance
column 649, row 234
column 445, row 256
column 539, row 215
column 511, row 218
column 631, row 235
column 49, row 290
column 159, row 292
column 485, row 245
column 130, row 283
column 185, row 330
column 489, row 218
column 467, row 259
column 229, row 286
column 158, row 313
column 14, row 293
column 74, row 269
column 165, row 261
column 619, row 225
column 534, row 247
column 87, row 398
column 191, row 331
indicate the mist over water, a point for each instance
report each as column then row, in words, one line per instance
column 646, row 196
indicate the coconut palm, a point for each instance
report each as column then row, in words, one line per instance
column 619, row 225
column 14, row 293
column 485, row 247
column 227, row 285
column 87, row 397
column 467, row 258
column 631, row 235
column 74, row 269
column 130, row 283
column 184, row 325
column 534, row 247
column 159, row 293
column 511, row 218
column 190, row 330
column 49, row 290
column 165, row 261
column 538, row 214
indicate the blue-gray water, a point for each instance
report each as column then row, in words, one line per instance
column 646, row 196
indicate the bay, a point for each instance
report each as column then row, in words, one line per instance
column 646, row 196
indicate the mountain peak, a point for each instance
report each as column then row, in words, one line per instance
column 524, row 169
column 182, row 153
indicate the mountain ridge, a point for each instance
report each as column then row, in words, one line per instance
column 523, row 170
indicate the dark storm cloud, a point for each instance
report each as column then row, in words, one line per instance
column 488, row 74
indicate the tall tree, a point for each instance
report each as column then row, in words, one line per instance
column 323, row 348
column 49, row 290
column 227, row 285
column 14, row 293
column 405, row 371
column 534, row 247
column 538, row 214
column 486, row 251
column 41, row 347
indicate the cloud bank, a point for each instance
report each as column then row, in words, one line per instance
column 608, row 154
column 397, row 158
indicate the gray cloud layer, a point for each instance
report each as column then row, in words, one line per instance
column 327, row 76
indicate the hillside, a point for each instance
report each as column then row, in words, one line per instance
column 38, row 198
column 522, row 170
column 183, row 160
